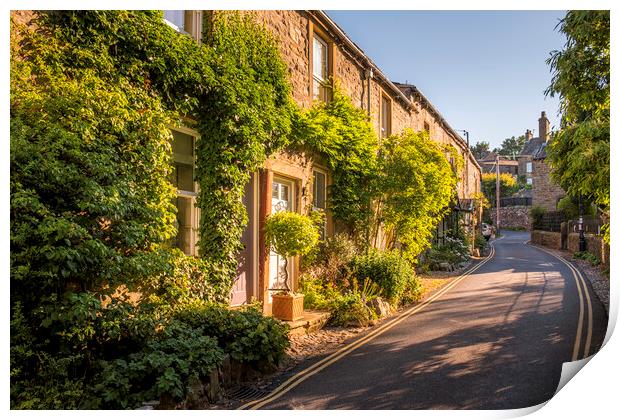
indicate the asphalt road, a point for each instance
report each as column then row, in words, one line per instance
column 496, row 340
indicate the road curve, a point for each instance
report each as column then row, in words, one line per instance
column 495, row 340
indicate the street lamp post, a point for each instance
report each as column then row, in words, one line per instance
column 582, row 238
column 497, row 189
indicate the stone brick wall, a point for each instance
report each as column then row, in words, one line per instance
column 293, row 29
column 547, row 239
column 513, row 217
column 545, row 192
column 594, row 245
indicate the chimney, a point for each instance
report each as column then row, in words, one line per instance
column 528, row 135
column 543, row 126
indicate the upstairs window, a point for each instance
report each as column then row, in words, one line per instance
column 320, row 69
column 386, row 116
column 187, row 22
column 528, row 167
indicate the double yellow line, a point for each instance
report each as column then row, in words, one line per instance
column 582, row 289
column 295, row 380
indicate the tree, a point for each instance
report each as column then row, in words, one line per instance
column 507, row 186
column 480, row 149
column 511, row 146
column 579, row 152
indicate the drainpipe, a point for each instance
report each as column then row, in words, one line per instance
column 369, row 76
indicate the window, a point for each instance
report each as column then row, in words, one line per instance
column 319, row 195
column 188, row 22
column 529, row 181
column 386, row 116
column 182, row 177
column 320, row 69
column 528, row 167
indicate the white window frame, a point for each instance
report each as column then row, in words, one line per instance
column 528, row 167
column 191, row 195
column 386, row 131
column 318, row 79
column 196, row 16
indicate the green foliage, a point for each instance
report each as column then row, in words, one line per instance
column 163, row 367
column 480, row 149
column 93, row 95
column 350, row 309
column 480, row 242
column 588, row 256
column 511, row 147
column 341, row 132
column 417, row 184
column 291, row 234
column 537, row 214
column 387, row 269
column 507, row 186
column 579, row 151
column 244, row 118
column 246, row 334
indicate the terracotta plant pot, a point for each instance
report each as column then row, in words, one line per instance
column 288, row 307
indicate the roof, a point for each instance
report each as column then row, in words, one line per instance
column 541, row 152
column 532, row 146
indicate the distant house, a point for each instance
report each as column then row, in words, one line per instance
column 545, row 192
column 506, row 166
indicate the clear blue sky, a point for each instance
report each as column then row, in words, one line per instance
column 485, row 71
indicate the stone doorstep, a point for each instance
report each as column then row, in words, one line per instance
column 310, row 322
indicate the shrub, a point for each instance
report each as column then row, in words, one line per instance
column 387, row 269
column 291, row 233
column 452, row 251
column 351, row 310
column 331, row 262
column 588, row 256
column 246, row 334
column 318, row 294
column 537, row 214
column 480, row 242
column 164, row 367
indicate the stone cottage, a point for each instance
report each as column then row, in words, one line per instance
column 315, row 49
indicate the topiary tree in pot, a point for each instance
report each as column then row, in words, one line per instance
column 290, row 235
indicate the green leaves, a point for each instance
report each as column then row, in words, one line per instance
column 579, row 152
column 291, row 234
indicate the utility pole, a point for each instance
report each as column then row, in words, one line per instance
column 497, row 195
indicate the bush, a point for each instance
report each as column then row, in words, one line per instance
column 290, row 233
column 246, row 334
column 318, row 294
column 537, row 214
column 452, row 251
column 387, row 269
column 588, row 256
column 480, row 242
column 165, row 366
column 331, row 262
column 350, row 310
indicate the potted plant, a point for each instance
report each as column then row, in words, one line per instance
column 289, row 234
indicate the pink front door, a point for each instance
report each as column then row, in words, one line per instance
column 242, row 288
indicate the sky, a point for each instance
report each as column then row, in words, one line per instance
column 484, row 71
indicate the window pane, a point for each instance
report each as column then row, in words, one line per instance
column 184, row 224
column 319, row 59
column 275, row 190
column 184, row 177
column 182, row 144
column 318, row 194
column 284, row 190
column 176, row 17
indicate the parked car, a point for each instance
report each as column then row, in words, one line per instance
column 487, row 231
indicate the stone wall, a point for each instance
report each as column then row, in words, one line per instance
column 594, row 245
column 547, row 239
column 293, row 30
column 513, row 217
column 545, row 192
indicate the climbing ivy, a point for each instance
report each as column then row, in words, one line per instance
column 342, row 133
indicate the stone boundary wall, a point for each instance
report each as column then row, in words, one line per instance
column 513, row 217
column 547, row 239
column 594, row 245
